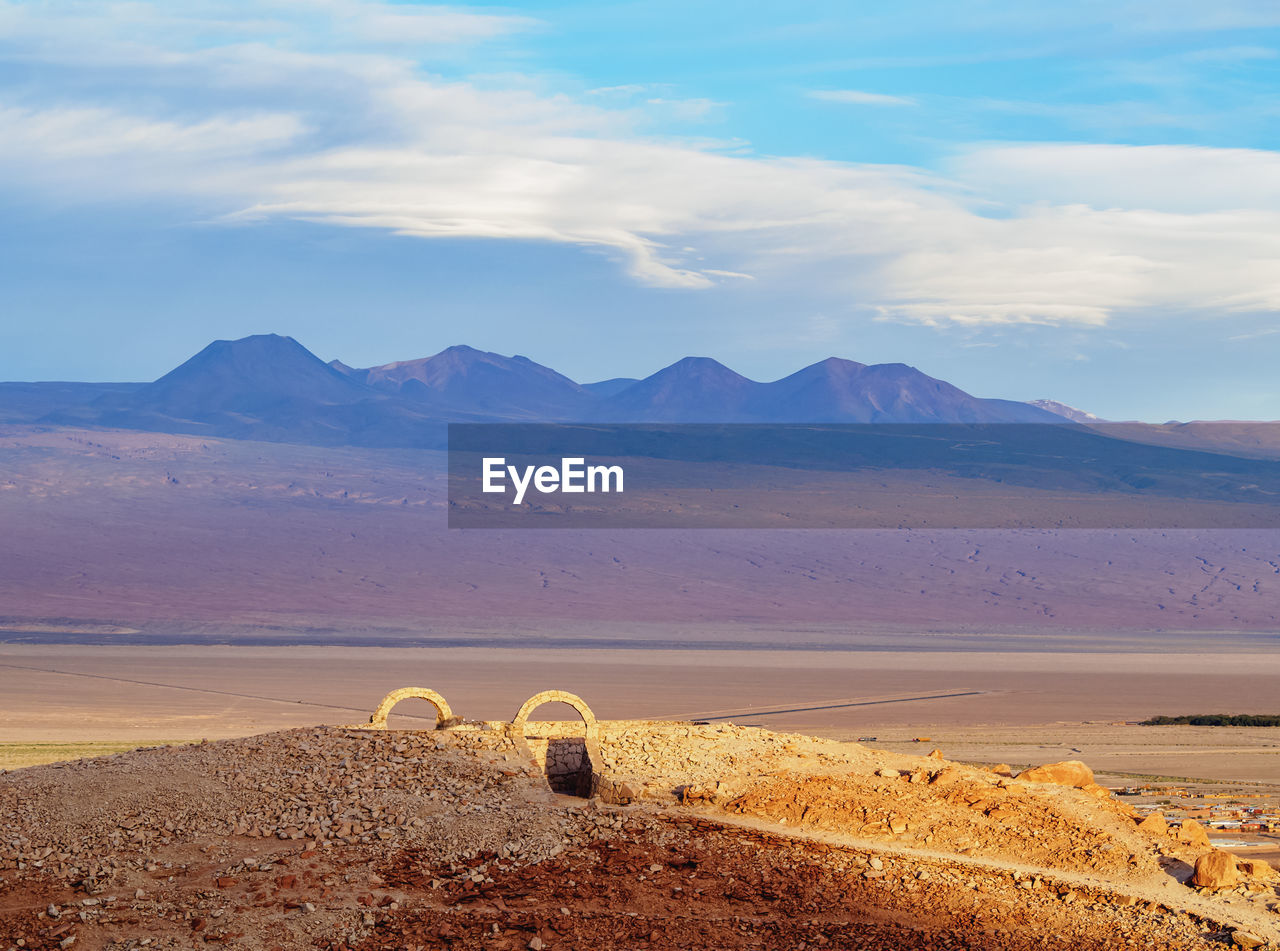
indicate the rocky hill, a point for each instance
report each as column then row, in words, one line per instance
column 696, row 836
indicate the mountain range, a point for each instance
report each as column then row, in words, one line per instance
column 270, row 387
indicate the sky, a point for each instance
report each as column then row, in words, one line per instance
column 1075, row 201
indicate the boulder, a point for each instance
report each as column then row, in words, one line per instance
column 1255, row 868
column 1071, row 772
column 1154, row 824
column 1192, row 833
column 1247, row 939
column 1002, row 769
column 945, row 776
column 1215, row 869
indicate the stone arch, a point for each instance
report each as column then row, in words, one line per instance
column 443, row 714
column 555, row 696
column 586, row 777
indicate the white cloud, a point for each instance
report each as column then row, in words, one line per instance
column 1255, row 335
column 685, row 110
column 145, row 33
column 626, row 89
column 403, row 24
column 64, row 135
column 1007, row 234
column 1194, row 16
column 1182, row 178
column 859, row 98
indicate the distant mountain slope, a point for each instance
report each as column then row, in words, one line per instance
column 701, row 390
column 606, row 388
column 28, row 402
column 1065, row 411
column 842, row 391
column 265, row 387
column 348, row 371
column 249, row 375
column 270, row 387
column 692, row 390
column 463, row 379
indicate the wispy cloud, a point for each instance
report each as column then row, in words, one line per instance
column 685, row 110
column 1230, row 55
column 357, row 133
column 91, row 133
column 148, row 33
column 404, row 24
column 857, row 97
column 1186, row 16
column 1255, row 335
column 1169, row 178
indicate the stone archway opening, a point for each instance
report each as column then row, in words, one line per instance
column 438, row 705
column 565, row 750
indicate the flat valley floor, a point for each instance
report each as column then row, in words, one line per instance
column 62, row 701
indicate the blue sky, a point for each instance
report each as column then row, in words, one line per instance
column 1080, row 203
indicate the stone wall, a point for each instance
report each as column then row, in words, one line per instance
column 636, row 754
column 655, row 745
column 628, row 750
column 559, row 749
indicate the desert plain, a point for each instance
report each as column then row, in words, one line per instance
column 808, row 738
column 1001, row 706
column 738, row 799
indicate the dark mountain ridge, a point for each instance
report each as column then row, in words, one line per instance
column 463, row 379
column 244, row 376
column 265, row 387
column 842, row 391
column 271, row 387
column 692, row 390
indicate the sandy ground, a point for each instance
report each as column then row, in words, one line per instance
column 1123, row 754
column 986, row 707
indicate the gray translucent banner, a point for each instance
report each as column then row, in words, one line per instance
column 927, row 476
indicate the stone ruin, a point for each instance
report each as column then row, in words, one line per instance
column 566, row 752
column 444, row 716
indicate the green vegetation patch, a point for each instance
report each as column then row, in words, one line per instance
column 1216, row 719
